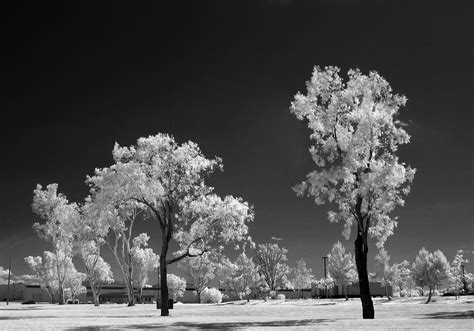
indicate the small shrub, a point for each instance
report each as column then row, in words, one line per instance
column 280, row 297
column 273, row 294
column 211, row 295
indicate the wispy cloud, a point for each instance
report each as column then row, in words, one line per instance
column 276, row 238
column 27, row 279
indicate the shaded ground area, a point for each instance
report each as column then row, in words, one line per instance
column 445, row 313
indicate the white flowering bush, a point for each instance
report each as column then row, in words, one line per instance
column 280, row 297
column 273, row 294
column 211, row 295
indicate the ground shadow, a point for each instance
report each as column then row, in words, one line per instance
column 219, row 326
column 451, row 314
column 24, row 317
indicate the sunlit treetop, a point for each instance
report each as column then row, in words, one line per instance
column 155, row 171
column 355, row 134
column 58, row 214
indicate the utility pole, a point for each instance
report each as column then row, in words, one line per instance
column 325, row 258
column 9, row 272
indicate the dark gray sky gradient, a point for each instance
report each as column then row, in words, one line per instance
column 79, row 76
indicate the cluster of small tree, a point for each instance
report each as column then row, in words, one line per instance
column 429, row 270
column 156, row 179
column 246, row 277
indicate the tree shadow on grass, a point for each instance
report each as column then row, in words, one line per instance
column 218, row 326
column 24, row 317
column 451, row 315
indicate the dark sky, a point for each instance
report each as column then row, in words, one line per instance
column 79, row 76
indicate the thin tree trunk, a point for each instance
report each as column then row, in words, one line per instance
column 199, row 296
column 345, row 292
column 94, row 293
column 386, row 293
column 361, row 250
column 429, row 295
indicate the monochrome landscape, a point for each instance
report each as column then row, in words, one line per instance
column 258, row 164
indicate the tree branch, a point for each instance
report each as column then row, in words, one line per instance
column 187, row 254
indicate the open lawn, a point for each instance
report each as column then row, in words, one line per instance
column 401, row 313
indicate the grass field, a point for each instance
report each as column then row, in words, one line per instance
column 445, row 313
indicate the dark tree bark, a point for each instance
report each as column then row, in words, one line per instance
column 361, row 250
column 61, row 295
column 429, row 295
column 166, row 237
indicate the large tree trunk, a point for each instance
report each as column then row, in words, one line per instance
column 61, row 294
column 166, row 236
column 361, row 250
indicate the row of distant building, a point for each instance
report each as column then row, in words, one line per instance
column 117, row 293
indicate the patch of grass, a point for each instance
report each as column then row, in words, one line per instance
column 402, row 313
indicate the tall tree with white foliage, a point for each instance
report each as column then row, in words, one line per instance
column 430, row 269
column 356, row 135
column 144, row 261
column 341, row 267
column 271, row 260
column 303, row 276
column 402, row 277
column 242, row 276
column 89, row 232
column 200, row 271
column 384, row 271
column 167, row 180
column 73, row 283
column 58, row 215
column 45, row 271
column 456, row 275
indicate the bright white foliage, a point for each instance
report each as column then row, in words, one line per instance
column 73, row 283
column 211, row 295
column 455, row 274
column 430, row 269
column 45, row 271
column 176, row 286
column 402, row 277
column 341, row 265
column 144, row 260
column 167, row 180
column 200, row 271
column 241, row 277
column 60, row 216
column 271, row 260
column 303, row 275
column 355, row 139
column 384, row 272
column 325, row 283
column 208, row 220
